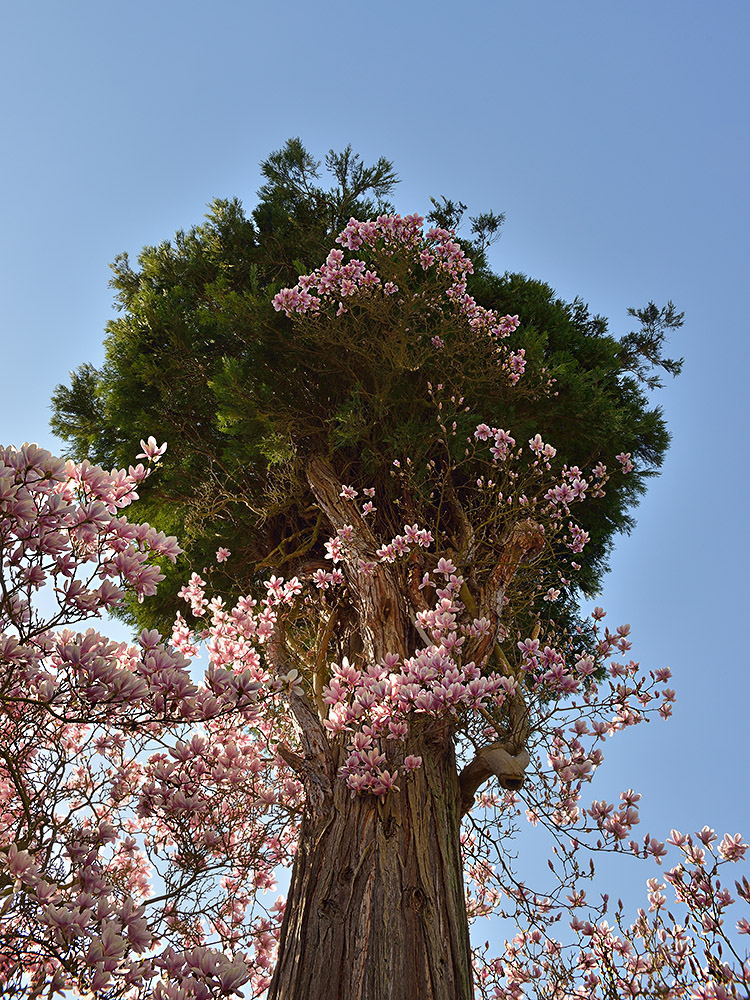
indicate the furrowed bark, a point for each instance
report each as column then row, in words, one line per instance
column 316, row 769
column 376, row 907
column 380, row 604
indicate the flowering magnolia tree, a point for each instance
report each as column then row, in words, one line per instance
column 377, row 721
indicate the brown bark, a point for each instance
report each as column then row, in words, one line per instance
column 493, row 760
column 380, row 604
column 376, row 909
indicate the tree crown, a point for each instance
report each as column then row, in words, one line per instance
column 200, row 357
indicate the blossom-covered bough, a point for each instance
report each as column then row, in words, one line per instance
column 377, row 720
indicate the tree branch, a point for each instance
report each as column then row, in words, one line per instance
column 495, row 759
column 506, row 760
column 524, row 543
column 381, row 608
column 317, row 768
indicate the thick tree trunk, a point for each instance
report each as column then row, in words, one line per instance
column 376, row 909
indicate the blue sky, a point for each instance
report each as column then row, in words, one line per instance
column 613, row 136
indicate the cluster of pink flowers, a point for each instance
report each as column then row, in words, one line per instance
column 102, row 796
column 376, row 702
column 625, row 461
column 695, row 958
column 340, row 280
column 59, row 524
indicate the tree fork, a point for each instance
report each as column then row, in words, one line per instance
column 377, row 595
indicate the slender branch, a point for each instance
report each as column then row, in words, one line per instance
column 320, row 662
column 294, row 760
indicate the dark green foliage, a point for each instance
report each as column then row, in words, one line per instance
column 597, row 410
column 78, row 415
column 641, row 351
column 296, row 219
column 199, row 358
column 485, row 227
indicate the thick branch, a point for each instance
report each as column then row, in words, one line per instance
column 507, row 760
column 380, row 605
column 326, row 489
column 508, row 768
column 524, row 543
column 316, row 768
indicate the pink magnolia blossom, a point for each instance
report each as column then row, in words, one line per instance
column 151, row 450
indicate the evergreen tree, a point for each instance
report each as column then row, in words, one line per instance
column 200, row 358
column 396, row 371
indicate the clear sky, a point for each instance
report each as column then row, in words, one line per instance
column 614, row 137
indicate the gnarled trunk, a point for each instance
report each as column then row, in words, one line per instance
column 376, row 908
